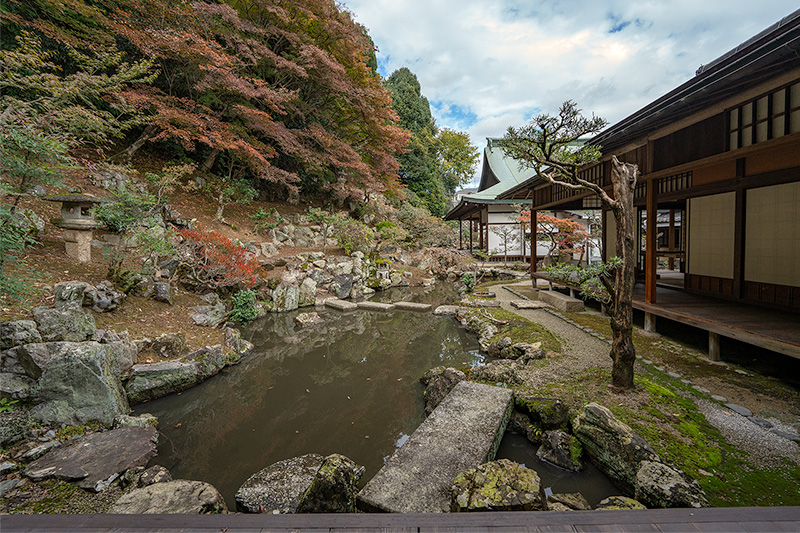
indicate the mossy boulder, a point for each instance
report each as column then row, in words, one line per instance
column 660, row 485
column 547, row 413
column 172, row 497
column 499, row 371
column 617, row 450
column 561, row 449
column 619, row 503
column 439, row 386
column 334, row 487
column 68, row 324
column 500, row 485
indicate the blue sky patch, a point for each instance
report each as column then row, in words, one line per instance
column 617, row 24
column 454, row 116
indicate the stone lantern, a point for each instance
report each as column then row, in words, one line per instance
column 77, row 220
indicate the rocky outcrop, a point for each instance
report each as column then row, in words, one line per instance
column 660, row 485
column 209, row 315
column 500, row 485
column 574, row 501
column 64, row 324
column 505, row 348
column 499, row 371
column 615, row 447
column 619, row 503
column 310, row 483
column 76, row 294
column 18, row 333
column 631, row 463
column 79, row 383
column 545, row 413
column 440, row 381
column 520, row 423
column 150, row 381
column 94, row 461
column 561, row 449
column 473, row 321
column 172, row 497
column 308, row 320
column 334, row 487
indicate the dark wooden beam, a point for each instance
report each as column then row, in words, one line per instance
column 739, row 232
column 651, row 258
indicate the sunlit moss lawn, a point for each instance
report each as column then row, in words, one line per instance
column 662, row 411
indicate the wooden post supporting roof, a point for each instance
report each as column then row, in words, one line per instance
column 534, row 241
column 650, row 259
column 460, row 244
column 471, row 225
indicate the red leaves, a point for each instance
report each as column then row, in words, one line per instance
column 219, row 262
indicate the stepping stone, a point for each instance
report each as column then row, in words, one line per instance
column 463, row 432
column 766, row 424
column 718, row 398
column 447, row 310
column 527, row 304
column 744, row 411
column 340, row 305
column 674, row 375
column 701, row 390
column 375, row 306
column 413, row 306
column 785, row 435
column 562, row 302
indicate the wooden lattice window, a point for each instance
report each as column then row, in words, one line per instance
column 767, row 117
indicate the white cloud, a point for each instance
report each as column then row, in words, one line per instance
column 499, row 62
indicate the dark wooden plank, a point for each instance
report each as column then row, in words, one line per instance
column 701, row 527
column 766, row 527
column 617, row 528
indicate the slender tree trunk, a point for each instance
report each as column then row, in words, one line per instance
column 209, row 162
column 138, row 143
column 220, row 207
column 623, row 353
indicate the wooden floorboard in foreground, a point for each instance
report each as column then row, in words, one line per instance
column 742, row 519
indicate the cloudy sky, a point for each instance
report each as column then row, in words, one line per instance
column 487, row 65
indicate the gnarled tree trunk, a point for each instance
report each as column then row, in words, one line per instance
column 623, row 353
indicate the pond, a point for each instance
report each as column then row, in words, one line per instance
column 349, row 386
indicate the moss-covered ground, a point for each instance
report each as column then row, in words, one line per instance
column 662, row 409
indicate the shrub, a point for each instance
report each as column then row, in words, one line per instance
column 243, row 306
column 354, row 236
column 424, row 229
column 216, row 261
column 266, row 220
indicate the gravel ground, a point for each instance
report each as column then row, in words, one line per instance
column 764, row 449
column 582, row 351
column 579, row 349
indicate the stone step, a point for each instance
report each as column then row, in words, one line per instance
column 413, row 306
column 463, row 432
column 340, row 305
column 562, row 302
column 528, row 304
column 375, row 306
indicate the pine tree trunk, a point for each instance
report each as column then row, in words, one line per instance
column 138, row 143
column 210, row 160
column 623, row 353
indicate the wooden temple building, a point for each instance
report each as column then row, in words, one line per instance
column 720, row 174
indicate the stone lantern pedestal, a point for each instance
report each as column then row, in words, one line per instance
column 77, row 219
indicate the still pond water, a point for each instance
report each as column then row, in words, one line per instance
column 349, row 386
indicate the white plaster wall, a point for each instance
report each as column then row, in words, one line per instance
column 496, row 242
column 772, row 235
column 710, row 235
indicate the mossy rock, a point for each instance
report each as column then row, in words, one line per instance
column 548, row 413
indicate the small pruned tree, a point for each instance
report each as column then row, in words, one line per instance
column 509, row 236
column 550, row 145
column 562, row 235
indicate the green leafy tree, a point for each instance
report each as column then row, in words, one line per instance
column 549, row 145
column 457, row 157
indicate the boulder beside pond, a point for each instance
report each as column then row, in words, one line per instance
column 660, row 485
column 172, row 497
column 500, row 485
column 561, row 449
column 619, row 503
column 439, row 384
column 615, row 447
column 310, row 483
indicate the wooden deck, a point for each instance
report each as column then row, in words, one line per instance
column 774, row 330
column 737, row 519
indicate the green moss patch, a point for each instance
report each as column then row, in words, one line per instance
column 520, row 329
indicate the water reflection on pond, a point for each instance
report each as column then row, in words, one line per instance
column 349, row 386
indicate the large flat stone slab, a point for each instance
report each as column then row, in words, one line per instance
column 562, row 302
column 528, row 304
column 340, row 305
column 375, row 306
column 413, row 306
column 95, row 460
column 463, row 432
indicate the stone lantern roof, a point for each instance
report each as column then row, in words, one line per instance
column 76, row 211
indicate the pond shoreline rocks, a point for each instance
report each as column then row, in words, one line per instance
column 309, row 483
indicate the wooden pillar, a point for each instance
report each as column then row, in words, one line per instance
column 534, row 214
column 671, row 239
column 471, row 225
column 739, row 233
column 650, row 322
column 713, row 347
column 480, row 230
column 650, row 260
column 460, row 244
